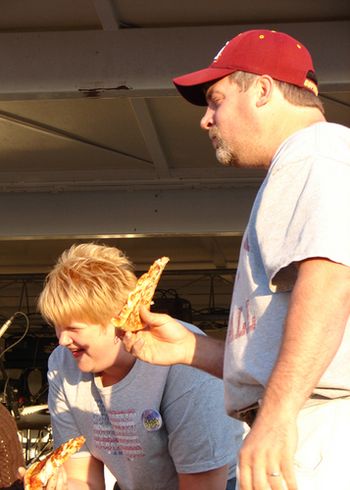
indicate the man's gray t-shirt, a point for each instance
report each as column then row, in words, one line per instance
column 196, row 433
column 302, row 210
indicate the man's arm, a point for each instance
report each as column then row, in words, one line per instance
column 164, row 341
column 318, row 312
column 207, row 480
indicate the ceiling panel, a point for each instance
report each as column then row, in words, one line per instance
column 43, row 15
column 203, row 12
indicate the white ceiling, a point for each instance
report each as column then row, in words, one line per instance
column 95, row 143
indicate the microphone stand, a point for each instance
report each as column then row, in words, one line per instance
column 9, row 398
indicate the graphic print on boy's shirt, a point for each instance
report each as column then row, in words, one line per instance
column 115, row 432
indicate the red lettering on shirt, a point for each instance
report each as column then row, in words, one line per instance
column 243, row 321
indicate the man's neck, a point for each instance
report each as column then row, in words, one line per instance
column 289, row 123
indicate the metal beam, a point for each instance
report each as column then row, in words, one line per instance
column 142, row 62
column 150, row 136
column 65, row 135
column 132, row 180
column 125, row 214
column 107, row 13
column 217, row 255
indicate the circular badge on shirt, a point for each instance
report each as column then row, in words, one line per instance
column 151, row 419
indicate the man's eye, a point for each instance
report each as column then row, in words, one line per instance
column 216, row 101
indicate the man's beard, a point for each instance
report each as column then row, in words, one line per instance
column 225, row 155
column 240, row 157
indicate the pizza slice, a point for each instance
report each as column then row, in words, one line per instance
column 39, row 473
column 129, row 318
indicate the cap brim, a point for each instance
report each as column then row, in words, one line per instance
column 191, row 87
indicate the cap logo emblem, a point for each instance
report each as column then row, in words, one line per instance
column 220, row 52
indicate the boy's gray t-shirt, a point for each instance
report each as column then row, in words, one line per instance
column 196, row 433
column 302, row 210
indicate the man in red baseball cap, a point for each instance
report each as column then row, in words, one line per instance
column 285, row 362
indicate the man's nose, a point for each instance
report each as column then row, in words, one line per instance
column 207, row 120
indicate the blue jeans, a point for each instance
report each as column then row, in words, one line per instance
column 231, row 484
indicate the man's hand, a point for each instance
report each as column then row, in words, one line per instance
column 163, row 341
column 267, row 455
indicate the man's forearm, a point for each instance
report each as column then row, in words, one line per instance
column 215, row 479
column 209, row 355
column 312, row 334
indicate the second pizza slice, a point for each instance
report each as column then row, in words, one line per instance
column 129, row 318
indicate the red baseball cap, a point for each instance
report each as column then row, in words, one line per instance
column 262, row 52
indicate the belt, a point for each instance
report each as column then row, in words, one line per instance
column 248, row 414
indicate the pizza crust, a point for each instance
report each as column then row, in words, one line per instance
column 129, row 318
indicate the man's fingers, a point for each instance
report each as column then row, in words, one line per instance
column 256, row 477
column 276, row 480
column 288, row 472
column 244, row 476
column 151, row 318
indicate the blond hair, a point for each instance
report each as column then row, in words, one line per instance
column 89, row 283
column 294, row 95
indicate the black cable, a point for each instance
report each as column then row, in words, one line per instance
column 22, row 337
column 4, row 393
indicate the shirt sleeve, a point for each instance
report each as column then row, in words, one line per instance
column 304, row 213
column 202, row 436
column 62, row 420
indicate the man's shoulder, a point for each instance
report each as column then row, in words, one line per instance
column 322, row 140
column 320, row 136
